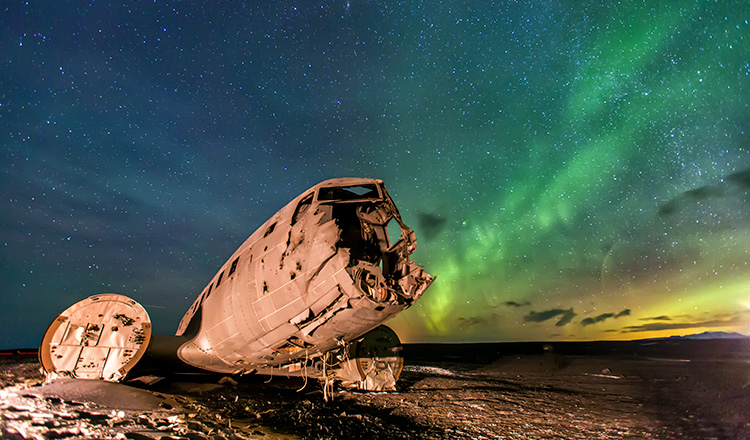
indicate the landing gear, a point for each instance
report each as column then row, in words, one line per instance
column 373, row 362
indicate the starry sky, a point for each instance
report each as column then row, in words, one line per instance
column 573, row 170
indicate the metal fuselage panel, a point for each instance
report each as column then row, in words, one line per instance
column 321, row 272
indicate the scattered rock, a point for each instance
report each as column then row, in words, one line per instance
column 228, row 381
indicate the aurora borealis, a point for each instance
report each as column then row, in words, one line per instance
column 572, row 170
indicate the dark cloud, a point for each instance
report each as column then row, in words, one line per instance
column 741, row 178
column 487, row 319
column 656, row 326
column 517, row 304
column 565, row 316
column 464, row 323
column 693, row 195
column 707, row 192
column 704, row 192
column 669, row 208
column 543, row 316
column 604, row 317
column 430, row 225
column 657, row 318
column 624, row 312
column 600, row 318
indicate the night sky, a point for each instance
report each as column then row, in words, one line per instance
column 572, row 171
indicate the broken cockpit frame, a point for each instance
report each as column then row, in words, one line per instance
column 379, row 245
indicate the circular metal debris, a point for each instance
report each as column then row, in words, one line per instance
column 100, row 337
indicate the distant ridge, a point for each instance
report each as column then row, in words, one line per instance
column 705, row 335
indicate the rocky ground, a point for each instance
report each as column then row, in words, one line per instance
column 526, row 396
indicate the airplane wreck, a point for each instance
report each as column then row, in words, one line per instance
column 305, row 295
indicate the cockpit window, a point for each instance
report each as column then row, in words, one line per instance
column 301, row 208
column 354, row 192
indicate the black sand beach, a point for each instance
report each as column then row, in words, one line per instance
column 678, row 389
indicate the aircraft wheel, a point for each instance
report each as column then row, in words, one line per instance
column 379, row 360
